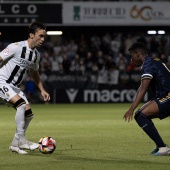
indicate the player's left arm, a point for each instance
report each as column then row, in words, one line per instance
column 36, row 77
column 139, row 96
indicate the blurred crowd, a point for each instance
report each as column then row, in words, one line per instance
column 99, row 60
column 96, row 61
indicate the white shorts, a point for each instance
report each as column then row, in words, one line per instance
column 8, row 91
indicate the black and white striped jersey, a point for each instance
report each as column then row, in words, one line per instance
column 17, row 59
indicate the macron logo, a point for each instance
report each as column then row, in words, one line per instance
column 71, row 94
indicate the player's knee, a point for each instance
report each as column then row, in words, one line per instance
column 141, row 119
column 137, row 114
column 19, row 103
column 29, row 114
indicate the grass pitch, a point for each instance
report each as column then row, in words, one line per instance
column 89, row 136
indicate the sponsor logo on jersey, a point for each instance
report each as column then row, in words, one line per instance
column 25, row 62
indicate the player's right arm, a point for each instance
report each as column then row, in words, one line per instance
column 36, row 78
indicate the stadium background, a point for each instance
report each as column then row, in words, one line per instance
column 89, row 62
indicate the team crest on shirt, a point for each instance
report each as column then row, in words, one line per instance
column 6, row 51
column 7, row 94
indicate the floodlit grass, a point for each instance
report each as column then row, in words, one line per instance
column 89, row 136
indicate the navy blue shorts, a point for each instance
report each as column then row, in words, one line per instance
column 164, row 106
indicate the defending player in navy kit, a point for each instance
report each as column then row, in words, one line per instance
column 16, row 60
column 155, row 75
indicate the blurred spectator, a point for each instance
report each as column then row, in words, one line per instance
column 46, row 63
column 114, row 76
column 113, row 72
column 95, row 44
column 115, row 46
column 109, row 64
column 128, row 41
column 102, row 79
column 105, row 43
column 55, row 65
column 57, row 48
column 64, row 47
column 75, row 65
column 72, row 50
column 100, row 59
column 66, row 64
column 121, row 62
column 82, row 47
column 88, row 62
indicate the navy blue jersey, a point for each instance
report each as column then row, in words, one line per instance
column 156, row 70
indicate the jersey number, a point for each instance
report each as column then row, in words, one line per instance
column 4, row 89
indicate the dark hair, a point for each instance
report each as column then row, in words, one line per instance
column 34, row 26
column 139, row 46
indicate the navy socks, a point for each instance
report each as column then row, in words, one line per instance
column 149, row 128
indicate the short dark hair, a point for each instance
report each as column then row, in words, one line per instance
column 139, row 46
column 34, row 26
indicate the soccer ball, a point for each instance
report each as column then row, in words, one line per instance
column 47, row 145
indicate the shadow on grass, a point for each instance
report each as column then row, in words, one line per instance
column 62, row 155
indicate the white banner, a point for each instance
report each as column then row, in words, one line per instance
column 116, row 13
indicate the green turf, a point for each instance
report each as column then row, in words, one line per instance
column 89, row 136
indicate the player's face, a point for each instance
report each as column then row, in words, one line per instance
column 136, row 58
column 38, row 37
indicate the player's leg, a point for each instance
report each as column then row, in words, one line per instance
column 28, row 116
column 28, row 112
column 10, row 94
column 19, row 104
column 143, row 118
column 19, row 137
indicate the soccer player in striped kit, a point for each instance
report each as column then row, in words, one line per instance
column 155, row 75
column 16, row 60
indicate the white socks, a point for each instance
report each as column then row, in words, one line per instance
column 20, row 121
